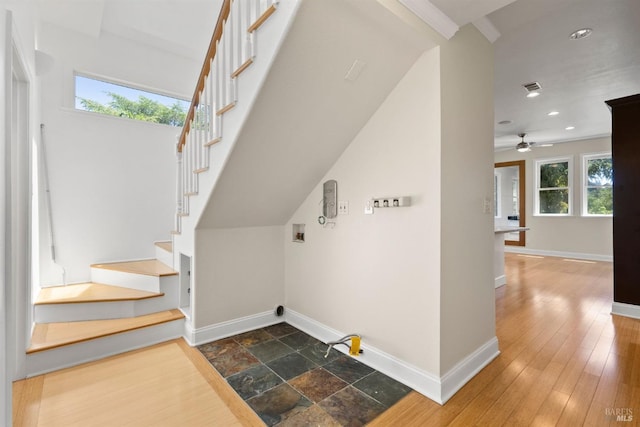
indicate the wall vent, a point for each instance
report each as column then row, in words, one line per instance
column 532, row 87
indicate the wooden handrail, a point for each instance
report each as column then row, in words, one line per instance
column 211, row 53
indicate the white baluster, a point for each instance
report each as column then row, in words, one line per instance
column 179, row 196
column 230, row 36
column 194, row 162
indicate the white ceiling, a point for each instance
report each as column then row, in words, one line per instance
column 576, row 76
column 179, row 27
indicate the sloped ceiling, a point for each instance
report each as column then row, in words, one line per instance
column 307, row 113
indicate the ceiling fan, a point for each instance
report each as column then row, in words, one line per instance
column 524, row 146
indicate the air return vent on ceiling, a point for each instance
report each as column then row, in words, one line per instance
column 532, row 87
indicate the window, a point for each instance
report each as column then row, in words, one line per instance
column 597, row 189
column 553, row 186
column 496, row 195
column 113, row 99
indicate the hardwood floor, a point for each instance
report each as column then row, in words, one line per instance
column 565, row 360
column 168, row 384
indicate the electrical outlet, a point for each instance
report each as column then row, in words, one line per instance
column 487, row 205
column 368, row 208
column 343, row 208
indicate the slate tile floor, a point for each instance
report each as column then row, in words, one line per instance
column 282, row 374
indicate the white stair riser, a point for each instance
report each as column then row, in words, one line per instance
column 63, row 357
column 73, row 312
column 130, row 280
column 164, row 256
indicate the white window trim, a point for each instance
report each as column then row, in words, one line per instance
column 118, row 82
column 498, row 194
column 536, row 197
column 583, row 183
column 126, row 83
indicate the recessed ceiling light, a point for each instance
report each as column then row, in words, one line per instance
column 553, row 113
column 532, row 94
column 581, row 33
column 505, row 122
column 570, row 128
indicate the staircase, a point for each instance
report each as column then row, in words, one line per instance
column 133, row 304
column 126, row 305
column 231, row 77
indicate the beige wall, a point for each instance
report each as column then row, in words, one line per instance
column 416, row 282
column 240, row 272
column 378, row 275
column 467, row 302
column 588, row 237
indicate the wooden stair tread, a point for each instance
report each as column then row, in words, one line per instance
column 149, row 267
column 53, row 335
column 167, row 246
column 90, row 292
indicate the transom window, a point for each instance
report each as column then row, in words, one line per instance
column 112, row 99
column 597, row 189
column 553, row 186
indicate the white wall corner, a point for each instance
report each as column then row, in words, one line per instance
column 486, row 27
column 433, row 16
column 189, row 334
column 231, row 327
column 626, row 310
column 467, row 368
column 500, row 281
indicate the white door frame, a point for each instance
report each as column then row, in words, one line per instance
column 15, row 215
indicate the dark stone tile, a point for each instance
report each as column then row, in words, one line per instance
column 280, row 329
column 351, row 407
column 216, row 348
column 252, row 338
column 313, row 416
column 270, row 350
column 348, row 369
column 382, row 388
column 299, row 340
column 278, row 404
column 315, row 353
column 233, row 360
column 254, row 381
column 317, row 384
column 291, row 365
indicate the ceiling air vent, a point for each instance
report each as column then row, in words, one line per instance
column 532, row 87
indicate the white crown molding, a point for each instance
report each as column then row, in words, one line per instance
column 486, row 27
column 433, row 16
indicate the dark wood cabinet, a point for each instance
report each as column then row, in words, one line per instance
column 625, row 149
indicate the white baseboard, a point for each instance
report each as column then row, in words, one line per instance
column 559, row 254
column 467, row 368
column 626, row 310
column 231, row 327
column 437, row 389
column 500, row 281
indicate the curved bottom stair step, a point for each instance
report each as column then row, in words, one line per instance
column 48, row 336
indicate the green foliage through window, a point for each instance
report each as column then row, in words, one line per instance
column 599, row 185
column 553, row 187
column 121, row 101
